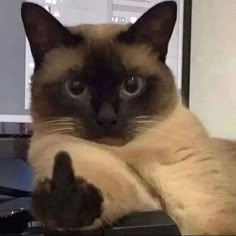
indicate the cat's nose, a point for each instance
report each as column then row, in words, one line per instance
column 106, row 117
column 106, row 122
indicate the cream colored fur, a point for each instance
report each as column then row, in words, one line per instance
column 123, row 193
column 193, row 176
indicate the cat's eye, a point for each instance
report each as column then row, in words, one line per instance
column 75, row 87
column 132, row 87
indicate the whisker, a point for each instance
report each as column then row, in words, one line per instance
column 59, row 125
column 145, row 121
column 56, row 121
column 142, row 117
column 149, row 118
column 66, row 121
column 61, row 132
column 60, row 118
column 54, row 124
column 54, row 127
column 60, row 129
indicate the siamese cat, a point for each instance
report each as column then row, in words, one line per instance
column 111, row 137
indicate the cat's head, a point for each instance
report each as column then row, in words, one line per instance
column 100, row 81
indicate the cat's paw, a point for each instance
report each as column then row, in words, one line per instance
column 66, row 201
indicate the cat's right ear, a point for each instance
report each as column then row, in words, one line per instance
column 154, row 28
column 44, row 31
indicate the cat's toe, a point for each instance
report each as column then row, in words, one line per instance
column 66, row 201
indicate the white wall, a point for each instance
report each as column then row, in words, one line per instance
column 213, row 65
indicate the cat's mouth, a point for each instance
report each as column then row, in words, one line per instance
column 111, row 141
column 112, row 137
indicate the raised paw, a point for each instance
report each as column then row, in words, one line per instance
column 66, row 201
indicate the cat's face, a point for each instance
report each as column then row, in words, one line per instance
column 100, row 81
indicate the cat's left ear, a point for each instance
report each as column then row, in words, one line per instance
column 43, row 31
column 155, row 28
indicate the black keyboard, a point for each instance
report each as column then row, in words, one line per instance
column 15, row 219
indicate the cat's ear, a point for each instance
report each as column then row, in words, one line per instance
column 155, row 27
column 43, row 31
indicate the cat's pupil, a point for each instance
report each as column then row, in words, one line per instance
column 131, row 85
column 76, row 87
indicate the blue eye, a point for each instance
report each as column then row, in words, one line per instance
column 132, row 86
column 75, row 87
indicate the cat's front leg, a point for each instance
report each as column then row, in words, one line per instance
column 197, row 196
column 65, row 200
column 98, row 191
column 197, row 192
